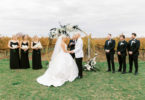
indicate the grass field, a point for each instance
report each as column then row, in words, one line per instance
column 22, row 85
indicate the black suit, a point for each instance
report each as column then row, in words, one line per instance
column 110, row 45
column 122, row 47
column 71, row 45
column 133, row 46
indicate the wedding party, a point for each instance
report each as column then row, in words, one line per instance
column 72, row 50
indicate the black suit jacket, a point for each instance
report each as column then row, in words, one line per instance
column 110, row 45
column 72, row 47
column 134, row 45
column 122, row 47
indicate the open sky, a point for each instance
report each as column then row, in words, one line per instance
column 97, row 17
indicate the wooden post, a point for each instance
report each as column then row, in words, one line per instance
column 89, row 44
column 89, row 47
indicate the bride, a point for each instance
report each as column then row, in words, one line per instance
column 62, row 66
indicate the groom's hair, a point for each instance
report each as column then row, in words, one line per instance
column 109, row 34
column 134, row 34
column 122, row 36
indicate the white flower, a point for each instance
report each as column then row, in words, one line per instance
column 132, row 42
column 93, row 63
column 38, row 45
column 122, row 43
column 14, row 46
column 24, row 47
column 88, row 67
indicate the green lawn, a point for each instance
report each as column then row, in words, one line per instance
column 22, row 85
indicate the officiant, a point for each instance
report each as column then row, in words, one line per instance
column 71, row 45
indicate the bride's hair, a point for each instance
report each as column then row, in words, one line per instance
column 63, row 36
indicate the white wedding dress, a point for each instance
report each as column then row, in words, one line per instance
column 62, row 68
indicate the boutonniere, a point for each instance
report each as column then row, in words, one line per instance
column 121, row 43
column 133, row 42
column 109, row 42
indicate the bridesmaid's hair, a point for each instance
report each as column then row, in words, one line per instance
column 35, row 38
column 14, row 36
column 23, row 37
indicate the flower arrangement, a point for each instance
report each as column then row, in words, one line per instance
column 14, row 46
column 91, row 64
column 24, row 47
column 122, row 43
column 38, row 45
column 64, row 29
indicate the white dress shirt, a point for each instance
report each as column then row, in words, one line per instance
column 79, row 49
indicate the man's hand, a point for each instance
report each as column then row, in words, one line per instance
column 130, row 52
column 71, row 52
column 25, row 49
column 119, row 53
column 71, row 43
column 107, row 51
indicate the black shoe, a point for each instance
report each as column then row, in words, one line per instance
column 79, row 77
column 130, row 72
column 108, row 71
column 119, row 70
column 113, row 72
column 136, row 73
column 123, row 72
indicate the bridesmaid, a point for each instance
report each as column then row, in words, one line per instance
column 36, row 54
column 14, row 53
column 24, row 45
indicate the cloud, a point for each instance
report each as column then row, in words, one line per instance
column 94, row 16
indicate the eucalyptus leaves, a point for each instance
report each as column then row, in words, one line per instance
column 64, row 29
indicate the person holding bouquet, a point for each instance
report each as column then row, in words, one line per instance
column 36, row 54
column 24, row 45
column 13, row 45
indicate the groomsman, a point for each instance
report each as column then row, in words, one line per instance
column 121, row 52
column 133, row 50
column 110, row 51
column 71, row 45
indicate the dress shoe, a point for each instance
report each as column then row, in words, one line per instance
column 119, row 70
column 136, row 73
column 113, row 72
column 130, row 72
column 123, row 72
column 108, row 71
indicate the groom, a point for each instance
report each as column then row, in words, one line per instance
column 79, row 54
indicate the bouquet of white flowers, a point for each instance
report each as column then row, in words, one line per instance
column 14, row 46
column 38, row 45
column 91, row 64
column 24, row 47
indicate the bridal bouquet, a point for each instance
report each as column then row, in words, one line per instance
column 91, row 64
column 14, row 46
column 24, row 47
column 38, row 45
